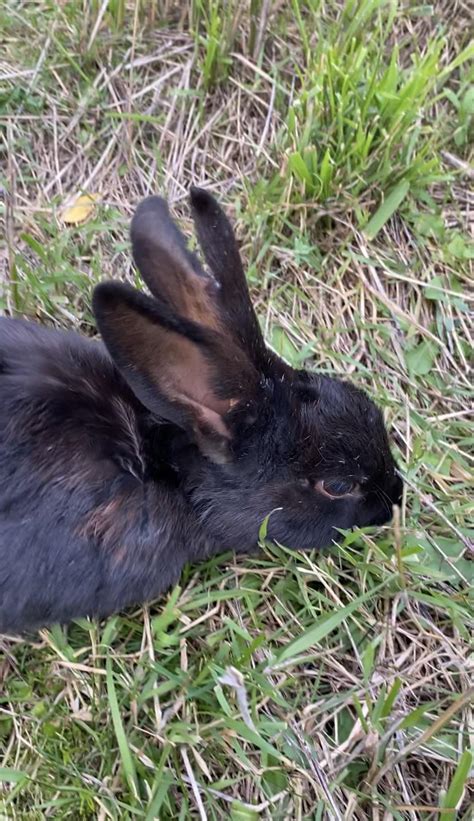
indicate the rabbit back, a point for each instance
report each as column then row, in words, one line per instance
column 85, row 527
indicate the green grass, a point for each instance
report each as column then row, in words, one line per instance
column 339, row 135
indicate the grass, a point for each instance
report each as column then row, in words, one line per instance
column 339, row 134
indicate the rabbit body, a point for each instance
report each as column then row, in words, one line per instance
column 86, row 525
column 120, row 462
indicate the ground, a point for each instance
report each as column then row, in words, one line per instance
column 338, row 136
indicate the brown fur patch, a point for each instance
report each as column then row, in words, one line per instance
column 191, row 298
column 181, row 369
column 106, row 522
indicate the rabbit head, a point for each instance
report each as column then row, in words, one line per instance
column 251, row 437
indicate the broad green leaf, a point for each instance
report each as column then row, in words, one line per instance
column 430, row 559
column 435, row 289
column 421, row 358
column 387, row 209
column 326, row 171
column 467, row 103
column 11, row 776
column 299, row 168
column 430, row 224
column 239, row 812
column 461, row 247
column 283, row 346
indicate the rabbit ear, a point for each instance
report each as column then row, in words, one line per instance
column 179, row 370
column 172, row 273
column 219, row 245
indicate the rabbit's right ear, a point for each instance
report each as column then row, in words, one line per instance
column 181, row 371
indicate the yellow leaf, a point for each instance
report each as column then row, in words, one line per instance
column 80, row 209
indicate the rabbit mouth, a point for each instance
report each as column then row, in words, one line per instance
column 378, row 507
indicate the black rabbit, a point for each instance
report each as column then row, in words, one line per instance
column 173, row 440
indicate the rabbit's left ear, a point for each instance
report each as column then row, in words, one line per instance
column 181, row 371
column 220, row 300
column 218, row 242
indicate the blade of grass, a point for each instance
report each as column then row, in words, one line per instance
column 458, row 785
column 387, row 209
column 327, row 624
column 125, row 754
column 9, row 775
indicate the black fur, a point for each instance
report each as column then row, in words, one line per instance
column 119, row 464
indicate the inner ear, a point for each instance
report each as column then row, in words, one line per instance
column 173, row 274
column 179, row 371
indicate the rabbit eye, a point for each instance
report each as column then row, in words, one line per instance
column 336, row 487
